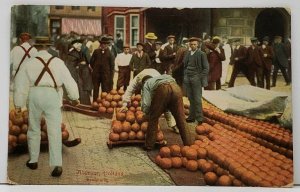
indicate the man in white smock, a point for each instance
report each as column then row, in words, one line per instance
column 39, row 82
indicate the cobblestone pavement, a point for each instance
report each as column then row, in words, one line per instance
column 92, row 162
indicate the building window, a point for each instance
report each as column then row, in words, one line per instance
column 59, row 7
column 75, row 7
column 120, row 27
column 134, row 30
column 91, row 8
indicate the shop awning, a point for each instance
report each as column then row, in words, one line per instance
column 81, row 26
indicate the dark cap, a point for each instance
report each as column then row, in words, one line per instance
column 171, row 36
column 277, row 37
column 126, row 46
column 195, row 39
column 76, row 41
column 266, row 38
column 140, row 43
column 253, row 39
column 236, row 40
column 158, row 43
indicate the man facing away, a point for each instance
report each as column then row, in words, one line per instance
column 136, row 85
column 195, row 77
column 21, row 53
column 40, row 82
column 160, row 94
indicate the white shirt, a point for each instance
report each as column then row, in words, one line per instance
column 157, row 60
column 122, row 59
column 17, row 53
column 136, row 82
column 30, row 71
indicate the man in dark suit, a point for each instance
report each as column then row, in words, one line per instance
column 195, row 77
column 255, row 63
column 119, row 42
column 268, row 54
column 238, row 60
column 169, row 54
column 149, row 46
column 140, row 60
column 280, row 60
column 102, row 63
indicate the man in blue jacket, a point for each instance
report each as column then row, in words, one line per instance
column 195, row 77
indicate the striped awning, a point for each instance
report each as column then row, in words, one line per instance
column 81, row 26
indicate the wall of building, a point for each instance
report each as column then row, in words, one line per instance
column 83, row 11
column 240, row 22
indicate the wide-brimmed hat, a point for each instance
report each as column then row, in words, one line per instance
column 104, row 40
column 42, row 40
column 171, row 36
column 195, row 39
column 150, row 36
column 140, row 43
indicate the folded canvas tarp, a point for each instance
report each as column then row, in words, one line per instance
column 249, row 101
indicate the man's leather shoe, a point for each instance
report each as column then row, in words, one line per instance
column 31, row 165
column 57, row 171
column 188, row 120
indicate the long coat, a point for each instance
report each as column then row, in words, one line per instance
column 177, row 70
column 103, row 64
column 168, row 56
column 267, row 61
column 280, row 55
column 81, row 74
column 202, row 65
column 215, row 59
column 138, row 64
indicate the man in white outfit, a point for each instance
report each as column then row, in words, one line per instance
column 226, row 68
column 21, row 53
column 136, row 84
column 40, row 82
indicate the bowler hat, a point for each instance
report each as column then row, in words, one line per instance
column 194, row 39
column 76, row 41
column 171, row 36
column 150, row 36
column 104, row 40
column 42, row 40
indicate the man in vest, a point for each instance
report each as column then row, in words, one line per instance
column 21, row 53
column 40, row 82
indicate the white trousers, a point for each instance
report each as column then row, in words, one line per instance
column 46, row 101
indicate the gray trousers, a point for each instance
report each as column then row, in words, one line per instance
column 193, row 87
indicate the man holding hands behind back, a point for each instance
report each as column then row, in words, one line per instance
column 195, row 77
